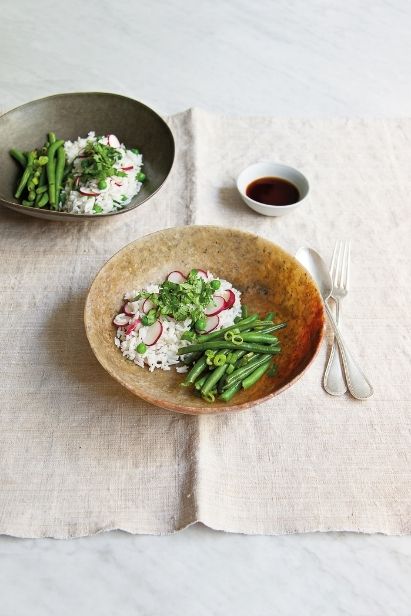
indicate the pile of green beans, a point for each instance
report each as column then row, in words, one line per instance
column 41, row 181
column 232, row 358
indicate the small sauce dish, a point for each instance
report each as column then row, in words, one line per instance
column 272, row 189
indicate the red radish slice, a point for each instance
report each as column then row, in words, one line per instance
column 215, row 306
column 229, row 298
column 176, row 277
column 128, row 309
column 202, row 274
column 152, row 333
column 113, row 141
column 147, row 306
column 132, row 326
column 211, row 323
column 88, row 194
column 117, row 184
column 121, row 320
column 127, row 168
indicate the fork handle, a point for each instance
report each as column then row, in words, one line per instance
column 357, row 382
column 334, row 382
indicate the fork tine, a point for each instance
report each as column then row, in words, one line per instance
column 333, row 266
column 338, row 273
column 345, row 269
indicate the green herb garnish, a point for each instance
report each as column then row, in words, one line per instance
column 180, row 301
column 99, row 162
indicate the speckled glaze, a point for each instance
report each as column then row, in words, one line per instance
column 268, row 277
column 75, row 115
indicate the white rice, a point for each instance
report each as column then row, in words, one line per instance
column 163, row 353
column 119, row 191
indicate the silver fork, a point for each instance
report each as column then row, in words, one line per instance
column 334, row 382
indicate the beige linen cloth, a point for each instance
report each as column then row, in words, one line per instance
column 79, row 454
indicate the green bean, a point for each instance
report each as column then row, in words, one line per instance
column 51, row 170
column 230, row 392
column 223, row 344
column 273, row 328
column 241, row 373
column 213, row 379
column 244, row 311
column 43, row 200
column 19, row 156
column 26, row 174
column 247, row 357
column 243, row 324
column 268, row 329
column 195, row 371
column 191, row 358
column 200, row 382
column 27, row 203
column 41, row 189
column 210, row 397
column 259, row 337
column 269, row 316
column 61, row 161
column 220, row 359
column 52, row 138
column 255, row 376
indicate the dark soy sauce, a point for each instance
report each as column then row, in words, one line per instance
column 273, row 191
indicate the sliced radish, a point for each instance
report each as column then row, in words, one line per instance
column 129, row 309
column 229, row 298
column 135, row 324
column 202, row 274
column 77, row 181
column 211, row 323
column 127, row 168
column 215, row 307
column 118, row 184
column 176, row 277
column 88, row 193
column 113, row 141
column 152, row 333
column 121, row 320
column 147, row 306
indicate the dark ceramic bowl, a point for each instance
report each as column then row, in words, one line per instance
column 75, row 115
column 268, row 277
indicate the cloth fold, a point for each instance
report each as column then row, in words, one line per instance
column 79, row 454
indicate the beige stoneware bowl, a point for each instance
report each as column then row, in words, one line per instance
column 268, row 277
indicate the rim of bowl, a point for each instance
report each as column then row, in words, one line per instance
column 188, row 409
column 70, row 215
column 290, row 206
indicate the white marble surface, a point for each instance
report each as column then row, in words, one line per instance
column 278, row 57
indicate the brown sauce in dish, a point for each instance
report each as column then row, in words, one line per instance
column 273, row 191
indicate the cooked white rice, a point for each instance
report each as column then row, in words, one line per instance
column 163, row 353
column 119, row 191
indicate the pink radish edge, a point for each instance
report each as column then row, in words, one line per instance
column 215, row 306
column 121, row 320
column 202, row 274
column 176, row 277
column 147, row 305
column 135, row 324
column 152, row 333
column 127, row 309
column 88, row 194
column 211, row 323
column 113, row 141
column 228, row 297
